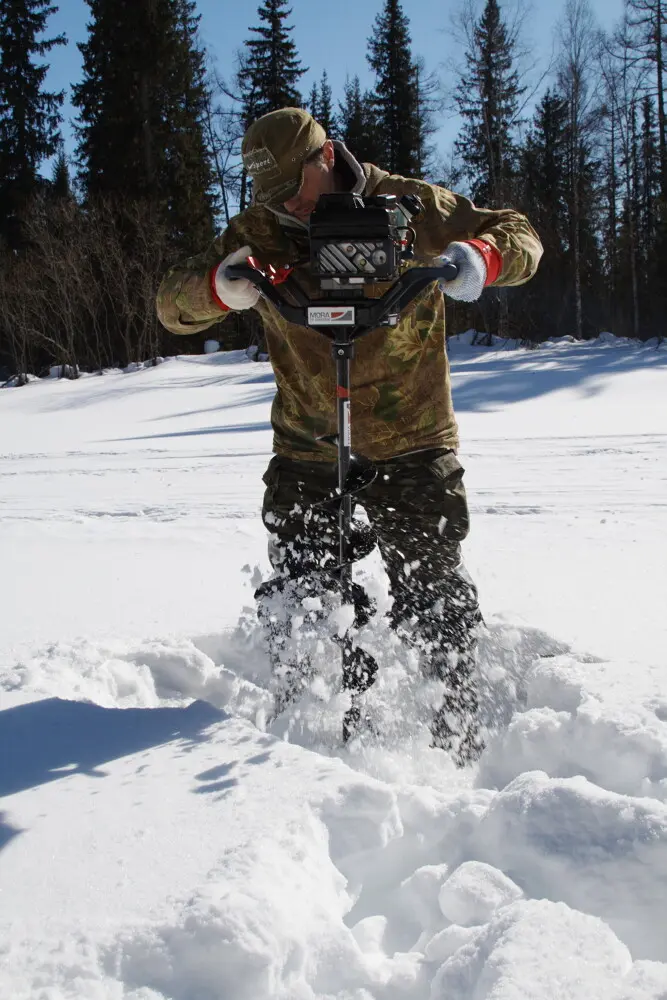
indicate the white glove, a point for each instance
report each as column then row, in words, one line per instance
column 237, row 293
column 469, row 283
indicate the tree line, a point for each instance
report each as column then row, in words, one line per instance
column 157, row 167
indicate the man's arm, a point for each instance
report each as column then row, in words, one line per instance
column 450, row 218
column 194, row 294
column 185, row 301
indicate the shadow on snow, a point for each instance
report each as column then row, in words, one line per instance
column 49, row 739
column 493, row 379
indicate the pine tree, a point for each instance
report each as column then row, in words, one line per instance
column 396, row 93
column 576, row 81
column 271, row 68
column 325, row 112
column 61, row 185
column 488, row 101
column 269, row 73
column 648, row 19
column 544, row 170
column 358, row 127
column 623, row 80
column 543, row 197
column 320, row 105
column 142, row 106
column 639, row 251
column 313, row 103
column 609, row 229
column 653, row 221
column 426, row 89
column 649, row 181
column 29, row 114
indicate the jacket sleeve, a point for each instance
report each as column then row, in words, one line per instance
column 184, row 299
column 448, row 217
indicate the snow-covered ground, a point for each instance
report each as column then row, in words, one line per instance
column 159, row 840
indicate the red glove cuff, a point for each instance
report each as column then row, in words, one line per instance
column 214, row 291
column 492, row 258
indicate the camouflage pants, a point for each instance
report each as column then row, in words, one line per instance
column 418, row 510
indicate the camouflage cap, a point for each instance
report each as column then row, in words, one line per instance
column 274, row 150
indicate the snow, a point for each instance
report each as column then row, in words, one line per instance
column 473, row 893
column 162, row 839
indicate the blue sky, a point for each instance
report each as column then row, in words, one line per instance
column 329, row 35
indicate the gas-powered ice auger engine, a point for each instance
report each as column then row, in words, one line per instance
column 356, row 239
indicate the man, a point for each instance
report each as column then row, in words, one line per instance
column 402, row 415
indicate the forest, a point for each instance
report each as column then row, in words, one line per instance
column 85, row 237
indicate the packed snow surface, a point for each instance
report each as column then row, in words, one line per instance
column 163, row 838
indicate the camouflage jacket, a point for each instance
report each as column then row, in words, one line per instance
column 400, row 383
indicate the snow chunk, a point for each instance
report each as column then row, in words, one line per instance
column 520, row 954
column 369, row 934
column 178, row 669
column 598, row 851
column 419, row 895
column 361, row 816
column 474, row 892
column 443, row 945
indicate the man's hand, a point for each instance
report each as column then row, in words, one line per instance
column 479, row 264
column 238, row 293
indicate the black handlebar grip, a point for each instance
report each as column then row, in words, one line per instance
column 235, row 271
column 445, row 271
column 450, row 270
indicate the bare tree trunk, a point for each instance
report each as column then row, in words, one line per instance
column 624, row 84
column 576, row 248
column 577, row 33
column 632, row 249
column 612, row 219
column 633, row 206
column 215, row 149
column 503, row 313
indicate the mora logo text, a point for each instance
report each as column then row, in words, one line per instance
column 324, row 316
